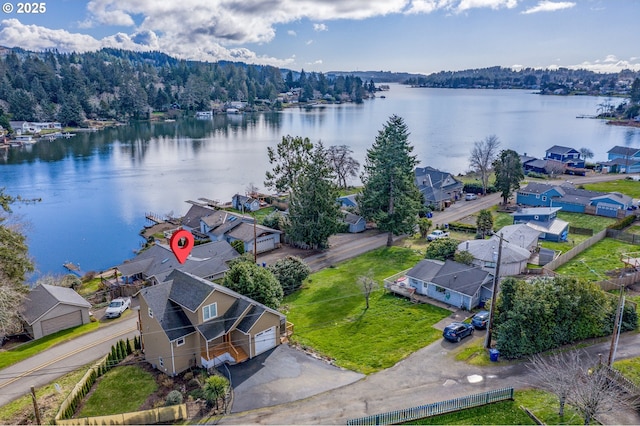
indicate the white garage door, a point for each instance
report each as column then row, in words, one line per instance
column 62, row 322
column 265, row 340
column 266, row 244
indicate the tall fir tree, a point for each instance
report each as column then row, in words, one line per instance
column 314, row 214
column 390, row 196
column 508, row 170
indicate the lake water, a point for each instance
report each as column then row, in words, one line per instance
column 96, row 187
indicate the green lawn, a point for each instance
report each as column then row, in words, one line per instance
column 121, row 390
column 29, row 349
column 627, row 187
column 329, row 314
column 542, row 404
column 630, row 368
column 594, row 262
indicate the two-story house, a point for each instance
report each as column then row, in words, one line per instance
column 189, row 322
column 622, row 159
column 569, row 156
column 439, row 188
column 543, row 220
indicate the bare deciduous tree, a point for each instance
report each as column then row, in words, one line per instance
column 483, row 154
column 342, row 163
column 580, row 382
column 368, row 285
column 554, row 167
column 10, row 322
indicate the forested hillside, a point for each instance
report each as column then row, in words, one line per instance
column 117, row 84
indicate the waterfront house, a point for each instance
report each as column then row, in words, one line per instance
column 48, row 309
column 188, row 322
column 439, row 188
column 245, row 203
column 207, row 261
column 622, row 159
column 544, row 220
column 569, row 156
column 453, row 283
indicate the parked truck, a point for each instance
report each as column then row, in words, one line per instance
column 117, row 307
column 437, row 234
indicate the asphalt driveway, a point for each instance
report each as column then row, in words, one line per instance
column 281, row 375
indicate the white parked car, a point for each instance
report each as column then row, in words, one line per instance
column 437, row 234
column 117, row 307
column 470, row 196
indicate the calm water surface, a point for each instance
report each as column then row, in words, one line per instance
column 96, row 187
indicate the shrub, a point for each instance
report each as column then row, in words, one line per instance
column 622, row 223
column 173, row 398
column 441, row 249
column 238, row 245
column 464, row 227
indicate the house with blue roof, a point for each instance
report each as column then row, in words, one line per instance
column 188, row 322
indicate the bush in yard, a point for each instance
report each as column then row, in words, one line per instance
column 255, row 282
column 441, row 249
column 546, row 313
column 173, row 398
column 215, row 388
column 272, row 220
column 291, row 271
column 463, row 256
column 238, row 245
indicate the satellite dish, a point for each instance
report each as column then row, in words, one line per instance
column 58, row 387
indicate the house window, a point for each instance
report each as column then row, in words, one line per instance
column 150, row 313
column 160, row 361
column 180, row 341
column 210, row 311
column 537, row 196
column 535, row 217
column 544, row 198
column 440, row 289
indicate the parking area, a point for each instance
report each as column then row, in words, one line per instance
column 284, row 374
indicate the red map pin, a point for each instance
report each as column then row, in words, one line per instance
column 181, row 244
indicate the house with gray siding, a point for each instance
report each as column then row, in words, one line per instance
column 439, row 188
column 456, row 284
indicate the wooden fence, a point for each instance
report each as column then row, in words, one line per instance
column 565, row 257
column 161, row 415
column 623, row 236
column 428, row 410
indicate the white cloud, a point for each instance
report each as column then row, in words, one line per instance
column 291, row 33
column 320, row 27
column 549, row 6
column 32, row 37
column 429, row 6
column 610, row 64
column 484, row 4
column 309, row 42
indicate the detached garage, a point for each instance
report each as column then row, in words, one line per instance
column 49, row 309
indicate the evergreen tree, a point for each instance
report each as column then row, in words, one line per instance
column 508, row 170
column 290, row 157
column 314, row 214
column 484, row 223
column 390, row 196
column 255, row 282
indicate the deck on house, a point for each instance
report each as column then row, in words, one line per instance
column 238, row 354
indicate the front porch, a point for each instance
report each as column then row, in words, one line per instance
column 221, row 353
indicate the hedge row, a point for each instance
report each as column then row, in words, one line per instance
column 623, row 223
column 119, row 351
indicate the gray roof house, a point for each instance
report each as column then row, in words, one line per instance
column 48, row 309
column 208, row 261
column 188, row 322
column 355, row 222
column 456, row 284
column 485, row 254
column 439, row 188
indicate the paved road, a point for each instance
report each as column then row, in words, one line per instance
column 428, row 375
column 45, row 367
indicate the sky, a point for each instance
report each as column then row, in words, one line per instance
column 415, row 36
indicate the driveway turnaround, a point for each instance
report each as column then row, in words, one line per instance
column 282, row 375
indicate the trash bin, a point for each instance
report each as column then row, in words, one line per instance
column 494, row 354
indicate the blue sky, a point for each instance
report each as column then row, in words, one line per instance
column 420, row 36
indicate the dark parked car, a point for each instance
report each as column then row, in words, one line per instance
column 480, row 320
column 456, row 331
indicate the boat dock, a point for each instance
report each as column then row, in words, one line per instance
column 73, row 268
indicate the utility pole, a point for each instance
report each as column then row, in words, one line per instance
column 255, row 240
column 494, row 295
column 35, row 405
column 617, row 325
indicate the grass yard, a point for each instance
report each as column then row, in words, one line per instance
column 121, row 390
column 543, row 404
column 20, row 411
column 630, row 368
column 330, row 316
column 627, row 187
column 597, row 260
